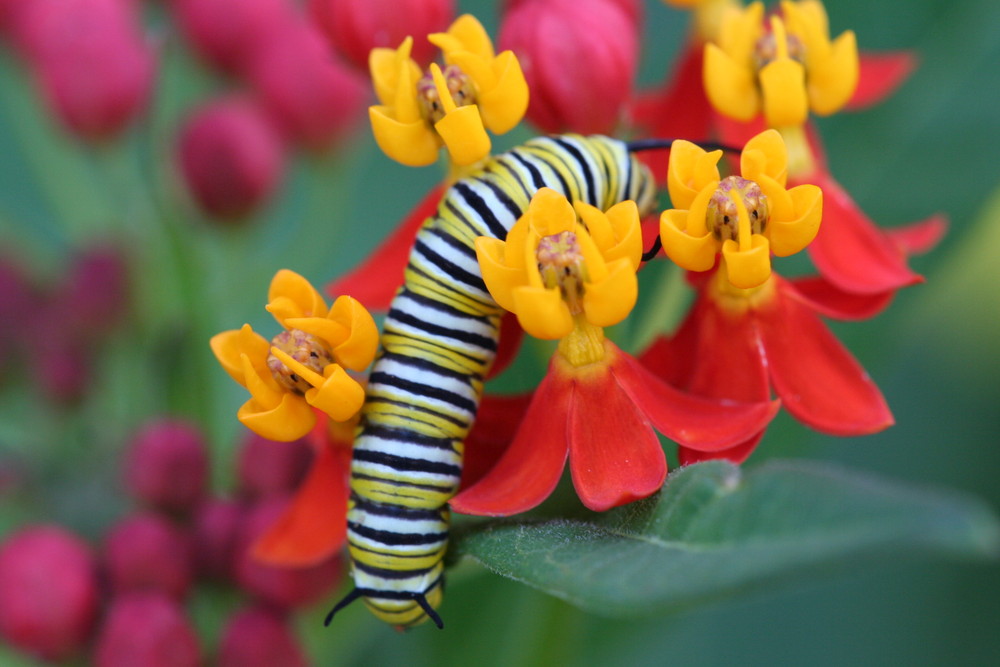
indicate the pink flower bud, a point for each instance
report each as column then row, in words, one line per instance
column 147, row 552
column 166, row 465
column 216, row 524
column 579, row 58
column 17, row 302
column 259, row 637
column 94, row 295
column 285, row 587
column 230, row 156
column 310, row 95
column 48, row 591
column 148, row 629
column 61, row 365
column 227, row 32
column 355, row 27
column 92, row 62
column 266, row 467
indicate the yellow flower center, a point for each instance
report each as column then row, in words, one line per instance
column 305, row 348
column 460, row 86
column 560, row 263
column 723, row 215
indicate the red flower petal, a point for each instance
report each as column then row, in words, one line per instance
column 511, row 335
column 313, row 527
column 823, row 296
column 851, row 251
column 917, row 238
column 707, row 424
column 376, row 280
column 737, row 454
column 881, row 74
column 496, row 425
column 531, row 468
column 614, row 454
column 818, row 380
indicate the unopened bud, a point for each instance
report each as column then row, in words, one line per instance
column 48, row 591
column 355, row 27
column 579, row 59
column 311, row 95
column 92, row 61
column 259, row 637
column 216, row 525
column 147, row 552
column 231, row 157
column 267, row 468
column 148, row 629
column 166, row 465
column 227, row 32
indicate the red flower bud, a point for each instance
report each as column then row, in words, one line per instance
column 216, row 526
column 226, row 32
column 148, row 629
column 311, row 96
column 579, row 58
column 60, row 363
column 285, row 587
column 230, row 156
column 355, row 27
column 17, row 302
column 259, row 637
column 266, row 468
column 94, row 295
column 48, row 591
column 92, row 61
column 166, row 465
column 147, row 552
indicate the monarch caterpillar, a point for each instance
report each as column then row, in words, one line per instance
column 439, row 340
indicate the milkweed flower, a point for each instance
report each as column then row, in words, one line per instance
column 738, row 344
column 596, row 405
column 744, row 217
column 451, row 107
column 304, row 365
column 783, row 68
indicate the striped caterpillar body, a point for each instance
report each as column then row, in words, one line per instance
column 439, row 340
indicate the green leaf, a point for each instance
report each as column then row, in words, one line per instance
column 716, row 531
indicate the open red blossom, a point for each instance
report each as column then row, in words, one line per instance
column 738, row 345
column 602, row 417
column 579, row 58
column 311, row 529
column 880, row 75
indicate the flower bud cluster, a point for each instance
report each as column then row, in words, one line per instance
column 232, row 149
column 127, row 604
column 53, row 330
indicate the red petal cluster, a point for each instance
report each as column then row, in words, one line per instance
column 778, row 342
column 602, row 417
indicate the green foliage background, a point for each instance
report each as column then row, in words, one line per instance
column 932, row 147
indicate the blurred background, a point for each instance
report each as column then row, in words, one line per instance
column 119, row 271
